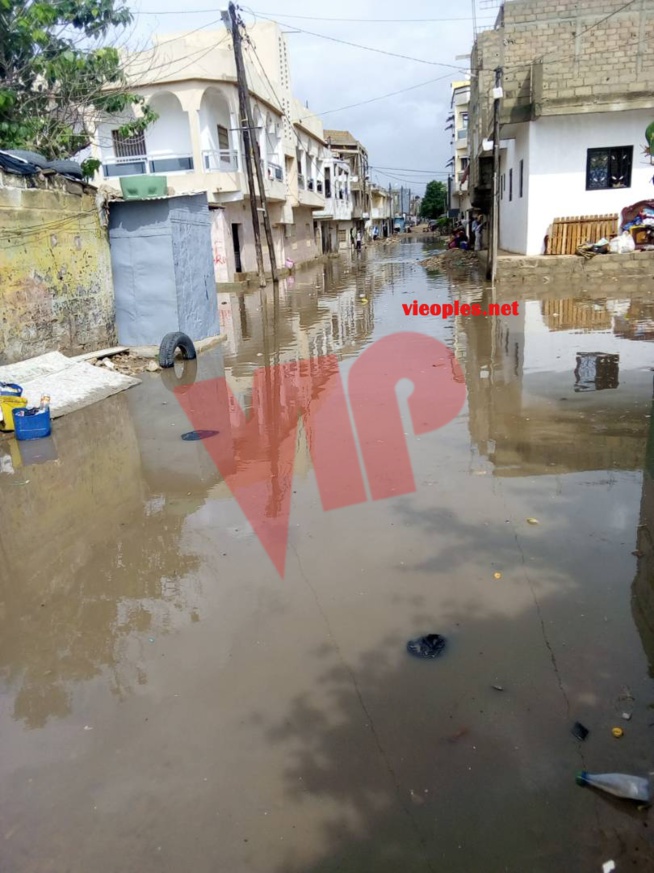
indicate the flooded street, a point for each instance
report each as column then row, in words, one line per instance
column 171, row 701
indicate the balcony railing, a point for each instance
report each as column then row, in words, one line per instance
column 144, row 165
column 220, row 160
column 275, row 172
column 301, row 183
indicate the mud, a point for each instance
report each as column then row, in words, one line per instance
column 169, row 702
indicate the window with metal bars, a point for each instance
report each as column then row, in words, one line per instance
column 128, row 146
column 609, row 168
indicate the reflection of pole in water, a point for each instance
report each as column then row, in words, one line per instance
column 273, row 392
column 642, row 590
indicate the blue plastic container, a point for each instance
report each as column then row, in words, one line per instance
column 32, row 425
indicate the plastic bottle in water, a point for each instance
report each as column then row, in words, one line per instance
column 618, row 784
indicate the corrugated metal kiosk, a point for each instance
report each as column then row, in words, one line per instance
column 162, row 266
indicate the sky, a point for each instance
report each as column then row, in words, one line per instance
column 404, row 133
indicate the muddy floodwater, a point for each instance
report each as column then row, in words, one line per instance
column 175, row 699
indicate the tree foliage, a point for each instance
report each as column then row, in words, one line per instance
column 434, row 203
column 58, row 75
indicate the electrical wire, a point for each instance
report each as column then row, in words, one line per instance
column 373, row 49
column 365, row 20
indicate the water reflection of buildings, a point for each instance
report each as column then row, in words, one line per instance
column 86, row 553
column 327, row 310
column 525, row 415
column 628, row 319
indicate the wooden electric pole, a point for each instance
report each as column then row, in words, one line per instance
column 251, row 151
column 493, row 246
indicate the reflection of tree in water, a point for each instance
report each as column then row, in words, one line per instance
column 73, row 603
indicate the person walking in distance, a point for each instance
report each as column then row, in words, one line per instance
column 358, row 240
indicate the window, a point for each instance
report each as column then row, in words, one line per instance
column 223, row 138
column 464, row 121
column 128, row 146
column 511, row 184
column 464, row 163
column 609, row 168
column 522, row 177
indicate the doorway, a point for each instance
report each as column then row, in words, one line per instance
column 237, row 247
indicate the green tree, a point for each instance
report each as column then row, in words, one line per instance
column 434, row 203
column 58, row 75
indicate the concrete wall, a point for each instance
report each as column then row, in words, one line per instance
column 301, row 245
column 514, row 213
column 557, row 187
column 55, row 271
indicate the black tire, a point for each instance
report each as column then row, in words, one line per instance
column 186, row 378
column 67, row 168
column 169, row 345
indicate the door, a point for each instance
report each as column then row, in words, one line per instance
column 237, row 247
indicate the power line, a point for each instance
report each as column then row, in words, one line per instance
column 363, row 20
column 383, row 96
column 373, row 49
column 403, row 169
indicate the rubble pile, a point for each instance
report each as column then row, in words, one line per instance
column 451, row 258
column 129, row 363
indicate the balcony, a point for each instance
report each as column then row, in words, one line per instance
column 220, row 161
column 274, row 172
column 143, row 165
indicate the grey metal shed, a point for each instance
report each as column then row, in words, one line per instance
column 162, row 267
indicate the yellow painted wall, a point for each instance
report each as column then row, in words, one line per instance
column 56, row 290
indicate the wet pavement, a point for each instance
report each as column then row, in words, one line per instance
column 171, row 701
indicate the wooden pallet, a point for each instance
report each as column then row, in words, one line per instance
column 570, row 233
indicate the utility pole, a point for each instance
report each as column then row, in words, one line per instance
column 491, row 270
column 251, row 150
column 391, row 223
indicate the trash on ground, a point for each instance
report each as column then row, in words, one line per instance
column 579, row 731
column 498, row 687
column 497, row 575
column 617, row 732
column 429, row 646
column 532, row 521
column 71, row 384
column 626, row 716
column 618, row 784
column 193, row 435
column 608, row 867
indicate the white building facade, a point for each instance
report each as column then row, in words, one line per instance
column 196, row 143
column 575, row 103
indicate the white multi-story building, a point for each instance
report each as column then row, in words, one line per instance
column 336, row 215
column 196, row 143
column 459, row 196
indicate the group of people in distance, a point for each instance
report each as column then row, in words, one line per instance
column 461, row 240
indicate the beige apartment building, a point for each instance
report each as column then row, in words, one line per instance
column 189, row 79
